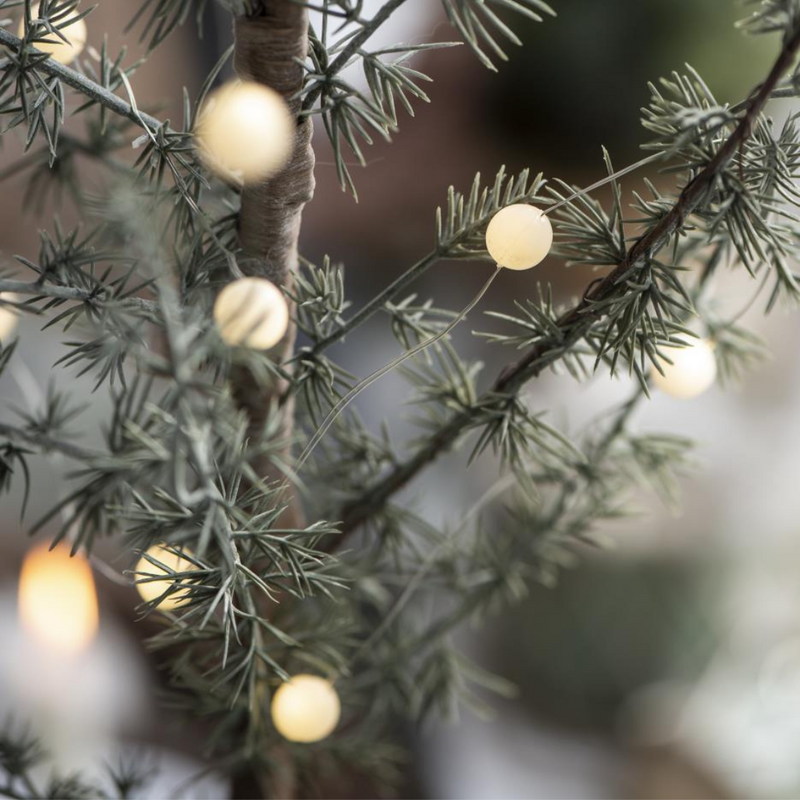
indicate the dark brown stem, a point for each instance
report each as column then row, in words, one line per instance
column 574, row 324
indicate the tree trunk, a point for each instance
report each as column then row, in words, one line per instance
column 269, row 49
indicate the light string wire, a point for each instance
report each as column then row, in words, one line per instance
column 377, row 375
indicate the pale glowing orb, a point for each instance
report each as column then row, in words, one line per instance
column 9, row 317
column 153, row 587
column 75, row 32
column 245, row 132
column 693, row 371
column 57, row 599
column 306, row 709
column 519, row 237
column 251, row 312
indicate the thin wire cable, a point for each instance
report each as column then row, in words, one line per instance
column 369, row 380
column 608, row 179
column 353, row 393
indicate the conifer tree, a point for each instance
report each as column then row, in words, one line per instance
column 259, row 514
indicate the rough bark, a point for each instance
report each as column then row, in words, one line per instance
column 269, row 49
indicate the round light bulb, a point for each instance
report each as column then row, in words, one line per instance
column 251, row 312
column 59, row 50
column 306, row 709
column 519, row 237
column 58, row 599
column 9, row 317
column 245, row 132
column 151, row 590
column 693, row 370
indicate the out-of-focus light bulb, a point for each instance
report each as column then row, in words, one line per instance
column 245, row 132
column 58, row 599
column 519, row 237
column 154, row 585
column 693, row 370
column 305, row 709
column 251, row 312
column 59, row 50
column 9, row 317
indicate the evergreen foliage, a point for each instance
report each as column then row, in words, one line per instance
column 131, row 290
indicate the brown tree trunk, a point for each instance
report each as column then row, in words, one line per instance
column 269, row 49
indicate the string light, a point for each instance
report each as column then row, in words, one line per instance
column 58, row 599
column 151, row 587
column 75, row 32
column 245, row 132
column 251, row 312
column 9, row 318
column 305, row 709
column 692, row 372
column 519, row 237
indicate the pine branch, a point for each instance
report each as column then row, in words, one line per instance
column 85, row 86
column 40, row 290
column 573, row 325
column 352, row 48
column 46, row 442
column 460, row 233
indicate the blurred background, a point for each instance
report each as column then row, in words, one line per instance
column 668, row 666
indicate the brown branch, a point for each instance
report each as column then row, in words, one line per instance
column 574, row 324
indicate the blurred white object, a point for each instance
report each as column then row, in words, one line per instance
column 512, row 757
column 74, row 701
column 692, row 371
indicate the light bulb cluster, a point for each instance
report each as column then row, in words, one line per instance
column 75, row 33
column 251, row 312
column 149, row 583
column 305, row 709
column 244, row 132
column 693, row 370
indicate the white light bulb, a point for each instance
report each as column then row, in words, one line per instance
column 519, row 237
column 251, row 312
column 58, row 599
column 9, row 317
column 305, row 709
column 152, row 589
column 245, row 132
column 75, row 32
column 693, row 370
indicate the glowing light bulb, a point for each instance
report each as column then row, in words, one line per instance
column 245, row 132
column 59, row 50
column 519, row 237
column 251, row 312
column 693, row 370
column 9, row 318
column 305, row 709
column 150, row 586
column 58, row 600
